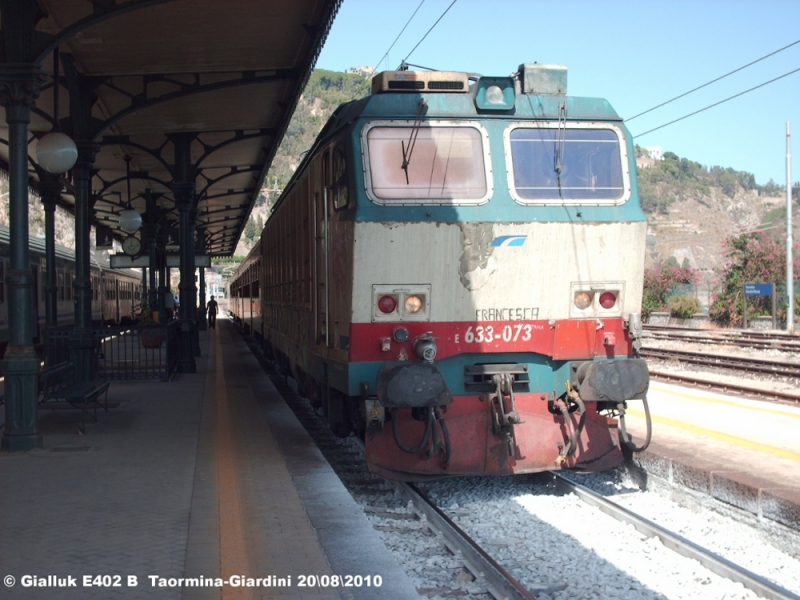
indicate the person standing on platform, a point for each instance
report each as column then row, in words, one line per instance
column 212, row 313
column 169, row 305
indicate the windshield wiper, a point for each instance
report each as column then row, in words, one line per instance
column 412, row 139
column 561, row 134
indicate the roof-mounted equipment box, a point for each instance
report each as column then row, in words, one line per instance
column 543, row 80
column 420, row 81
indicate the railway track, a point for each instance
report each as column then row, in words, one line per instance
column 750, row 365
column 719, row 386
column 500, row 583
column 677, row 543
column 739, row 338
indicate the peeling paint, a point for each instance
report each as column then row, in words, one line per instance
column 477, row 264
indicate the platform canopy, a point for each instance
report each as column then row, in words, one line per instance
column 226, row 73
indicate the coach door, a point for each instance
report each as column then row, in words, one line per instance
column 321, row 251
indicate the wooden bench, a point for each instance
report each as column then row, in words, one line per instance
column 57, row 386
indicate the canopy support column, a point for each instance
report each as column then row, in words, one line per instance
column 183, row 190
column 19, row 88
column 50, row 191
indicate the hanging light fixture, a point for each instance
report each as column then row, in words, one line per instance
column 56, row 152
column 129, row 219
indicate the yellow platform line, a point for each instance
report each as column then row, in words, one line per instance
column 761, row 409
column 723, row 437
column 232, row 550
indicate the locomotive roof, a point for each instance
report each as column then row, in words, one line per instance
column 388, row 104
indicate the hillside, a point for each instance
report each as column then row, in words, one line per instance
column 691, row 208
column 65, row 222
column 324, row 92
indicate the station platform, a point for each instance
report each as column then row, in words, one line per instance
column 741, row 451
column 209, row 478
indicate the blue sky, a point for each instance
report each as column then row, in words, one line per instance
column 636, row 54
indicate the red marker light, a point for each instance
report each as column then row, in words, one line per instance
column 608, row 300
column 387, row 304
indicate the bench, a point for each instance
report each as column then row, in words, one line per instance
column 57, row 385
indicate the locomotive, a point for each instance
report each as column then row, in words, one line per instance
column 455, row 273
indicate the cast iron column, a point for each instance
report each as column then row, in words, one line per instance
column 192, row 297
column 183, row 191
column 151, row 229
column 183, row 197
column 82, row 341
column 202, row 323
column 50, row 191
column 19, row 88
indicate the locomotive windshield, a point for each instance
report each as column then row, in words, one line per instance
column 567, row 165
column 427, row 164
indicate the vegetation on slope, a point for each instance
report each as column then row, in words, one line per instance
column 676, row 178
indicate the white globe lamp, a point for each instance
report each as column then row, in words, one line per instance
column 56, row 152
column 130, row 220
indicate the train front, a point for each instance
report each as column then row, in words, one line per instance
column 497, row 276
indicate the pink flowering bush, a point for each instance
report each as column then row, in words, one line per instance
column 659, row 282
column 752, row 258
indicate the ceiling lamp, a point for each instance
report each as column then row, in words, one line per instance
column 56, row 152
column 129, row 219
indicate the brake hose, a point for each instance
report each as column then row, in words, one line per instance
column 429, row 420
column 627, row 439
column 445, row 435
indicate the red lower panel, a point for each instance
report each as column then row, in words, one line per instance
column 568, row 339
column 476, row 450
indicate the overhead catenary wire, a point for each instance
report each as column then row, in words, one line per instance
column 716, row 103
column 712, row 81
column 395, row 39
column 429, row 30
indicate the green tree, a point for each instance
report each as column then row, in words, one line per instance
column 752, row 258
column 250, row 230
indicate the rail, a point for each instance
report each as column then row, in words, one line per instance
column 713, row 562
column 720, row 386
column 786, row 369
column 745, row 339
column 500, row 582
column 124, row 353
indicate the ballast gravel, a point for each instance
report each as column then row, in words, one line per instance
column 545, row 540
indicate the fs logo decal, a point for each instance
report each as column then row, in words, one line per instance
column 509, row 240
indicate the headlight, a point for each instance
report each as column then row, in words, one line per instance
column 413, row 304
column 583, row 300
column 494, row 95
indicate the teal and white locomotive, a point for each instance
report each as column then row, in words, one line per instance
column 455, row 274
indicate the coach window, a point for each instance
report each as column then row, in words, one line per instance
column 339, row 178
column 579, row 164
column 433, row 164
column 2, row 281
column 61, row 293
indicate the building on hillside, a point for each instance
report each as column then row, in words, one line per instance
column 653, row 154
column 364, row 71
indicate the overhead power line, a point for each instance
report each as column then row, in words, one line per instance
column 429, row 30
column 395, row 39
column 717, row 103
column 712, row 81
